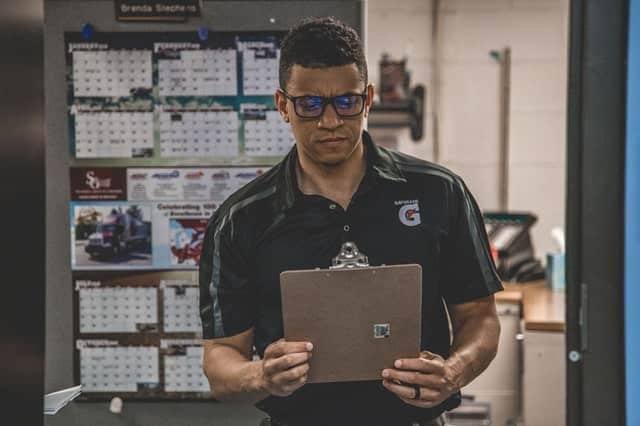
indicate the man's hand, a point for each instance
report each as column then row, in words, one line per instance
column 285, row 366
column 430, row 373
column 476, row 331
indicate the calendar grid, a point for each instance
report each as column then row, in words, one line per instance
column 144, row 363
column 192, row 94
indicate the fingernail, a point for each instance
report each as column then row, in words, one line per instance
column 385, row 373
column 398, row 363
column 309, row 346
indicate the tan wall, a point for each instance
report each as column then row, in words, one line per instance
column 467, row 88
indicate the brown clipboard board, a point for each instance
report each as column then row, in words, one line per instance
column 359, row 318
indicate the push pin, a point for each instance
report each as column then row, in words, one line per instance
column 87, row 31
column 203, row 33
column 115, row 406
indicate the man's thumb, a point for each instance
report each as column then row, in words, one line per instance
column 428, row 355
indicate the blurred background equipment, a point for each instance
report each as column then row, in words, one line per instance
column 470, row 413
column 394, row 80
column 511, row 246
column 399, row 105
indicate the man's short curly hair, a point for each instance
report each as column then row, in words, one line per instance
column 321, row 43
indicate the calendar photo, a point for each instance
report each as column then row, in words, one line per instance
column 111, row 235
column 187, row 238
column 179, row 229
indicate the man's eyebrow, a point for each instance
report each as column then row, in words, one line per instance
column 349, row 92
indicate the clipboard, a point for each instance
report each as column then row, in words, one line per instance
column 360, row 318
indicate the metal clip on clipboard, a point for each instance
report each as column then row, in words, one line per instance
column 360, row 318
column 349, row 257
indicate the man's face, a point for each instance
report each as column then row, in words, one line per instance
column 327, row 140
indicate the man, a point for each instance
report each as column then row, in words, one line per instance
column 335, row 186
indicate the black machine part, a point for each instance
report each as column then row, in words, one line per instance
column 509, row 235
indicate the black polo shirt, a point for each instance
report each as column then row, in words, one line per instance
column 405, row 210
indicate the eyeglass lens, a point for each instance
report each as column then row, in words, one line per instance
column 345, row 105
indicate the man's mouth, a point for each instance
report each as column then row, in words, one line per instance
column 327, row 140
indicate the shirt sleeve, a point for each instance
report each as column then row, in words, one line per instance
column 227, row 297
column 469, row 272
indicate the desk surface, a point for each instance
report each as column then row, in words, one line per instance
column 543, row 308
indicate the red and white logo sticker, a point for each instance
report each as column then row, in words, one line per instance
column 409, row 214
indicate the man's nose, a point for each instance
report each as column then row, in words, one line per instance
column 329, row 118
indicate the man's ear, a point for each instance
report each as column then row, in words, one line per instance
column 281, row 105
column 369, row 101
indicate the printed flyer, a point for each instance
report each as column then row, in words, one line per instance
column 146, row 218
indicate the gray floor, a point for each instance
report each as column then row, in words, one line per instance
column 156, row 414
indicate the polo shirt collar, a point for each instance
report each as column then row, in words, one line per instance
column 379, row 163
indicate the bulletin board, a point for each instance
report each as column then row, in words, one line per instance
column 183, row 139
column 148, row 113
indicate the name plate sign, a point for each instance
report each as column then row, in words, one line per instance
column 157, row 10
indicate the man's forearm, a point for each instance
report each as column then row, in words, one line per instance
column 232, row 376
column 475, row 344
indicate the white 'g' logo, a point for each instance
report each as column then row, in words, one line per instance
column 410, row 214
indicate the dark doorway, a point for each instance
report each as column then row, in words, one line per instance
column 595, row 212
column 23, row 211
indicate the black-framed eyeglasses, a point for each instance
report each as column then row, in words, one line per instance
column 311, row 106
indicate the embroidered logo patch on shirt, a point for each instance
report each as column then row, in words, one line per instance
column 409, row 212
